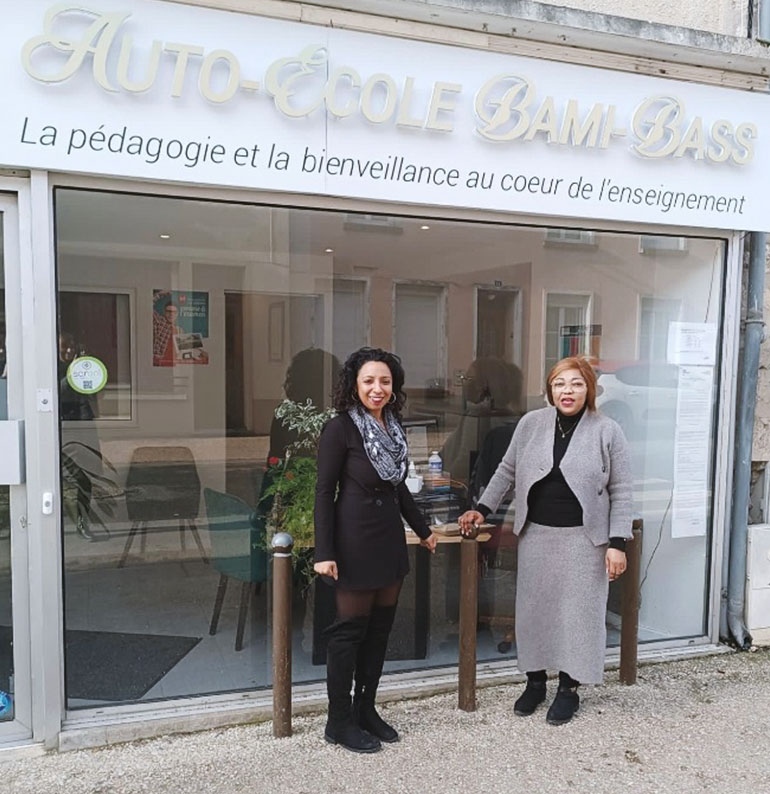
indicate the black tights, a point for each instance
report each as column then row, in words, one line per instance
column 359, row 603
column 565, row 681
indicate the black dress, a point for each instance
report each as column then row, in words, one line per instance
column 358, row 520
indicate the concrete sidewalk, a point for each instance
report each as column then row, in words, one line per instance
column 688, row 726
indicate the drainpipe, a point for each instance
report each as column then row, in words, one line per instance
column 747, row 393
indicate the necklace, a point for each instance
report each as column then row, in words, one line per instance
column 564, row 433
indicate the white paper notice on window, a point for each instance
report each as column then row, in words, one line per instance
column 689, row 509
column 692, row 343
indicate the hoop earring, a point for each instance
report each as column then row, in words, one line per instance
column 355, row 396
column 392, row 399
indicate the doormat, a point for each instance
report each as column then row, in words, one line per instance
column 111, row 666
column 6, row 656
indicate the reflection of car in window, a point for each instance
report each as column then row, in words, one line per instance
column 640, row 397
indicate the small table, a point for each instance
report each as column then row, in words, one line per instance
column 469, row 601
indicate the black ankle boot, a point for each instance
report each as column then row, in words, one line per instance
column 532, row 696
column 351, row 737
column 345, row 637
column 369, row 664
column 366, row 716
column 564, row 706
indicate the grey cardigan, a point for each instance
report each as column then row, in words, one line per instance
column 596, row 466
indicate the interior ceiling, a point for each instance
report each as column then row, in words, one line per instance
column 359, row 242
column 397, row 247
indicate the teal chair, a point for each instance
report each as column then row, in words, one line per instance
column 237, row 536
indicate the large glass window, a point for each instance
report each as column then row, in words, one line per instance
column 232, row 308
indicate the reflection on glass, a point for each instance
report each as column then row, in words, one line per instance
column 6, row 627
column 167, row 504
column 6, row 635
column 96, row 324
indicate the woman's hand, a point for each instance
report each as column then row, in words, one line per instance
column 326, row 568
column 615, row 562
column 469, row 522
column 430, row 542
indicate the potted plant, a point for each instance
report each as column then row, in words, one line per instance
column 83, row 488
column 289, row 493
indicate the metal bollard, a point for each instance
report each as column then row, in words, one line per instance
column 282, row 544
column 629, row 626
column 469, row 599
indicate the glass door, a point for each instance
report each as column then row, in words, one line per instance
column 15, row 710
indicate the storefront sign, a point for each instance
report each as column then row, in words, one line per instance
column 156, row 90
column 87, row 375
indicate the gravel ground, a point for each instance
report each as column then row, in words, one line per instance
column 688, row 726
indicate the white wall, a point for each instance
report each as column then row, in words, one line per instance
column 718, row 16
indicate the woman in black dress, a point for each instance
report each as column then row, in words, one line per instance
column 360, row 545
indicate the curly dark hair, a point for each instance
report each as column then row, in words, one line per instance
column 346, row 391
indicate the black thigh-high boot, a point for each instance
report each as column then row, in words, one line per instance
column 345, row 637
column 371, row 658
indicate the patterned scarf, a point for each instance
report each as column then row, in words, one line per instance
column 386, row 450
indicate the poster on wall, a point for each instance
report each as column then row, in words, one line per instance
column 689, row 511
column 693, row 344
column 180, row 327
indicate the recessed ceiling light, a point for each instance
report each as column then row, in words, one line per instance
column 425, row 226
column 329, row 251
column 165, row 236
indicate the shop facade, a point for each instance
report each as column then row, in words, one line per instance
column 195, row 228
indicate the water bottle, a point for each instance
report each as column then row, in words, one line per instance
column 414, row 481
column 435, row 464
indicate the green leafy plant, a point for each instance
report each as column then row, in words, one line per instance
column 290, row 491
column 83, row 488
column 292, row 488
column 306, row 420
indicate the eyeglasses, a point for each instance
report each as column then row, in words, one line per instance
column 575, row 385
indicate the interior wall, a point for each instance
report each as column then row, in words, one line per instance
column 185, row 401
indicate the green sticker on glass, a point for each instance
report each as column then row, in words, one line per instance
column 87, row 375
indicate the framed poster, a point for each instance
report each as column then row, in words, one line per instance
column 180, row 327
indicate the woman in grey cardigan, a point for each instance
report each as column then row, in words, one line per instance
column 570, row 470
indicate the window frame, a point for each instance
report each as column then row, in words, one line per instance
column 126, row 720
column 589, row 322
column 108, row 421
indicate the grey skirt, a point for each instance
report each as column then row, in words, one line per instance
column 561, row 602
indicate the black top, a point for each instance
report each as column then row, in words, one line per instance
column 358, row 520
column 551, row 501
column 493, row 448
